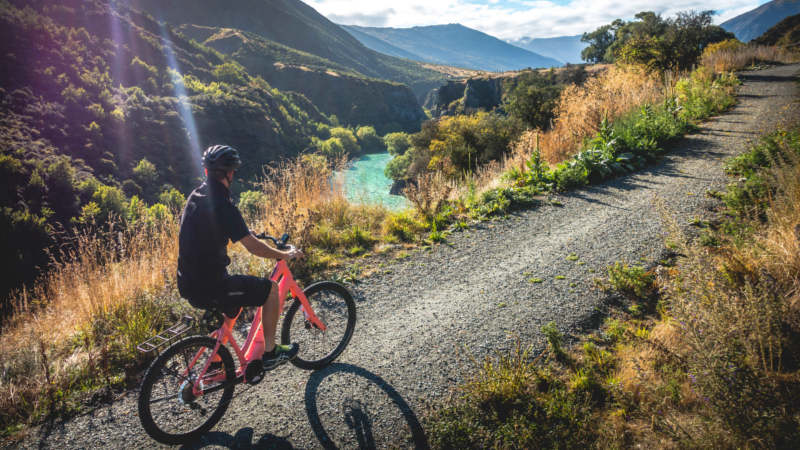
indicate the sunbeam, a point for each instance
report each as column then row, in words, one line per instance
column 183, row 105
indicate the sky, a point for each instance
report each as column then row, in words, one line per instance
column 514, row 19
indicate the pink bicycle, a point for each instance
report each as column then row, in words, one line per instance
column 190, row 385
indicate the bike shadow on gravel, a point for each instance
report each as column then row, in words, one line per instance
column 358, row 410
column 243, row 439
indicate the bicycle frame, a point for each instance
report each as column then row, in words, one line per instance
column 253, row 347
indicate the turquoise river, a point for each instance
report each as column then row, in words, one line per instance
column 365, row 182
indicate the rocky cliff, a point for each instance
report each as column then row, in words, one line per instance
column 464, row 96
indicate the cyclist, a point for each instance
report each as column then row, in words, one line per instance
column 209, row 221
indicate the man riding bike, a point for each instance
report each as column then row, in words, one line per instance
column 209, row 221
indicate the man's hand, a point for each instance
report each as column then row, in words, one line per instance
column 293, row 253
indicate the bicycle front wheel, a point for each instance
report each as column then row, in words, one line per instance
column 335, row 307
column 170, row 410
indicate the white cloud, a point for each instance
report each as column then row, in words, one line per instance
column 511, row 19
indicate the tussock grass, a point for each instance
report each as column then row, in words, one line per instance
column 54, row 341
column 737, row 57
column 581, row 109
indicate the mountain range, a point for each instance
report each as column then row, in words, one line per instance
column 566, row 49
column 754, row 23
column 453, row 44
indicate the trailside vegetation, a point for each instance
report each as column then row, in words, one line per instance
column 704, row 351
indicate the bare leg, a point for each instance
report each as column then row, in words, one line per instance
column 269, row 317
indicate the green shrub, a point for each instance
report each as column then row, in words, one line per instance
column 369, row 140
column 402, row 226
column 346, row 139
column 630, row 280
column 397, row 143
column 570, row 175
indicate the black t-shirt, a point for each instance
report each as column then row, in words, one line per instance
column 209, row 221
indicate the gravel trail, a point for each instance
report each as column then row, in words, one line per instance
column 422, row 319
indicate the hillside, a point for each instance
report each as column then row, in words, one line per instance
column 454, row 45
column 754, row 23
column 296, row 25
column 784, row 33
column 566, row 49
column 100, row 104
column 331, row 87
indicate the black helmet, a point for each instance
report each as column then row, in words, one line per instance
column 221, row 157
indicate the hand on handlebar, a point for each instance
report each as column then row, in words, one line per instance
column 293, row 253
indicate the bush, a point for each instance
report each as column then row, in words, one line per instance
column 369, row 140
column 402, row 226
column 633, row 281
column 347, row 140
column 397, row 143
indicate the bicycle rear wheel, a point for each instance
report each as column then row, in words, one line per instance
column 335, row 307
column 169, row 411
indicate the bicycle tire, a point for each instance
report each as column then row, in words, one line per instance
column 159, row 370
column 337, row 310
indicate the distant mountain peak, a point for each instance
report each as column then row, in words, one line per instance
column 754, row 23
column 452, row 44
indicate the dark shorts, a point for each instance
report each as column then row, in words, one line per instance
column 234, row 292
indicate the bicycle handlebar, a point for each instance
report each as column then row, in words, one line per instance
column 281, row 243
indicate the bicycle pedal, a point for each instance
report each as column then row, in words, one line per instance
column 254, row 372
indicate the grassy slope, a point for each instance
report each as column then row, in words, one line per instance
column 784, row 33
column 334, row 89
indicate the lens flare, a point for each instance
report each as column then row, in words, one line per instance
column 183, row 105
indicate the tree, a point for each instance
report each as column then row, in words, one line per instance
column 146, row 175
column 599, row 40
column 397, row 143
column 654, row 42
column 346, row 139
column 369, row 139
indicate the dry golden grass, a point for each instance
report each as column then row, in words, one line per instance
column 105, row 272
column 611, row 93
column 740, row 57
column 581, row 108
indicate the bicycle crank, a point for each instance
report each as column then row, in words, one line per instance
column 254, row 372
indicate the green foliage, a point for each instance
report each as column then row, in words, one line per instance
column 368, row 140
column 397, row 168
column 252, row 203
column 146, row 176
column 172, row 199
column 555, row 340
column 654, row 42
column 531, row 97
column 230, row 72
column 332, row 148
column 141, row 69
column 457, row 145
column 626, row 145
column 347, row 140
column 511, row 403
column 397, row 143
column 749, row 196
column 402, row 226
column 634, row 281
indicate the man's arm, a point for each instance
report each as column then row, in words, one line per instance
column 259, row 248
